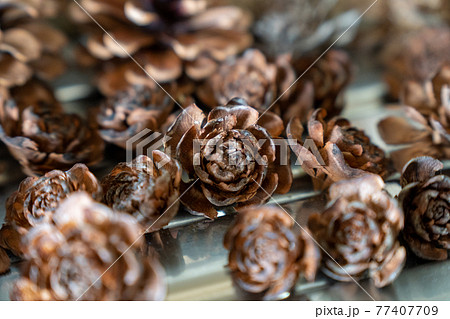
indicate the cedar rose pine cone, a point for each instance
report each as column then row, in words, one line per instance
column 426, row 130
column 129, row 112
column 148, row 190
column 359, row 231
column 231, row 160
column 425, row 199
column 168, row 38
column 266, row 256
column 42, row 140
column 87, row 236
column 37, row 198
column 334, row 150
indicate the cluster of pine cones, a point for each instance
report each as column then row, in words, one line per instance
column 193, row 72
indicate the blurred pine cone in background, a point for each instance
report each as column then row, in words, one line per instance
column 145, row 188
column 129, row 112
column 37, row 198
column 266, row 255
column 167, row 38
column 425, row 199
column 359, row 230
column 69, row 260
column 29, row 45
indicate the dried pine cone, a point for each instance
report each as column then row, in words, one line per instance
column 42, row 140
column 37, row 198
column 266, row 256
column 167, row 38
column 29, row 46
column 226, row 163
column 334, row 150
column 330, row 75
column 259, row 82
column 425, row 199
column 129, row 112
column 87, row 236
column 428, row 134
column 416, row 57
column 148, row 190
column 359, row 230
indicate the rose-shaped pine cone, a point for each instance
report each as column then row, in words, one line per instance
column 167, row 38
column 425, row 199
column 43, row 140
column 29, row 46
column 426, row 127
column 359, row 230
column 148, row 190
column 334, row 150
column 263, row 84
column 330, row 75
column 129, row 112
column 37, row 198
column 416, row 57
column 88, row 236
column 231, row 160
column 266, row 255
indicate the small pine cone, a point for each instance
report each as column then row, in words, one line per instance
column 65, row 258
column 263, row 84
column 359, row 230
column 425, row 199
column 129, row 112
column 43, row 140
column 266, row 256
column 29, row 46
column 222, row 155
column 148, row 190
column 330, row 75
column 168, row 39
column 334, row 150
column 426, row 128
column 37, row 198
column 416, row 57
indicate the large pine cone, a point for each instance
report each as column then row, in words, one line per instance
column 65, row 258
column 425, row 199
column 359, row 231
column 226, row 163
column 266, row 255
column 167, row 38
column 37, row 198
column 29, row 46
column 426, row 128
column 263, row 84
column 334, row 150
column 42, row 140
column 148, row 190
column 129, row 112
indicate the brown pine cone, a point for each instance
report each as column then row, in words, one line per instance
column 425, row 199
column 334, row 150
column 42, row 141
column 330, row 75
column 260, row 82
column 129, row 112
column 359, row 231
column 426, row 127
column 37, row 198
column 88, row 236
column 416, row 57
column 29, row 46
column 226, row 163
column 266, row 256
column 167, row 38
column 148, row 190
